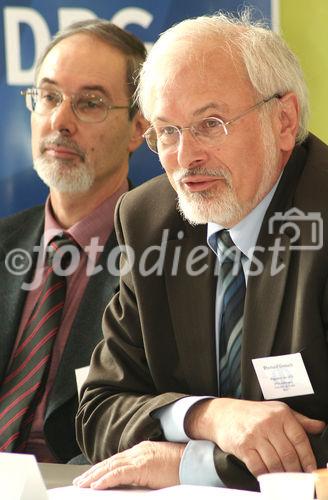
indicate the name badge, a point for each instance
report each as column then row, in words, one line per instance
column 282, row 376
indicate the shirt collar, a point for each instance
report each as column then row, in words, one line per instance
column 245, row 233
column 98, row 224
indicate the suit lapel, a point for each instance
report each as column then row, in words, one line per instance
column 262, row 310
column 265, row 289
column 25, row 235
column 192, row 303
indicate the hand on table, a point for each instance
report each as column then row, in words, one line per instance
column 267, row 436
column 148, row 464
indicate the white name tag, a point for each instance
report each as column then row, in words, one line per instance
column 282, row 376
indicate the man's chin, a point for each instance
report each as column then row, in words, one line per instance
column 193, row 211
column 64, row 178
column 203, row 209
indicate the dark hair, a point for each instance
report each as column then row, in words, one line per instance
column 127, row 43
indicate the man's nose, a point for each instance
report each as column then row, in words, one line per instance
column 190, row 151
column 63, row 118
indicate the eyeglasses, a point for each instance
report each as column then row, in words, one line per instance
column 87, row 106
column 207, row 131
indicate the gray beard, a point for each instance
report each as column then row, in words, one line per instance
column 201, row 208
column 64, row 177
column 197, row 208
column 207, row 206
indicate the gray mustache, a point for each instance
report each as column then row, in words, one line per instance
column 59, row 140
column 180, row 174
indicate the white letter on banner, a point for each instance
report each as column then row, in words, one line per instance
column 67, row 16
column 133, row 15
column 13, row 16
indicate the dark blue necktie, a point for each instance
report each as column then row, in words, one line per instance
column 233, row 297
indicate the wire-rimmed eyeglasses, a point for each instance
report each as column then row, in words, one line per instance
column 89, row 107
column 208, row 131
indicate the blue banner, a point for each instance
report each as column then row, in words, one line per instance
column 26, row 28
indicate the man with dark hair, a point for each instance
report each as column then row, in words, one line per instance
column 85, row 125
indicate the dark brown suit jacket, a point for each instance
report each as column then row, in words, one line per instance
column 23, row 231
column 159, row 340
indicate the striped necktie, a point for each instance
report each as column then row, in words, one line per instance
column 232, row 280
column 22, row 388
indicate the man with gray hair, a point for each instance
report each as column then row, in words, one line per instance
column 215, row 370
column 85, row 125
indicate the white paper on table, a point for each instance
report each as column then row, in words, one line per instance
column 186, row 492
column 20, row 478
column 182, row 492
column 75, row 493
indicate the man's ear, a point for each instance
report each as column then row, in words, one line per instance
column 139, row 126
column 288, row 116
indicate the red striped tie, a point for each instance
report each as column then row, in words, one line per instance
column 24, row 382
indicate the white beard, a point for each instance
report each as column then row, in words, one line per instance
column 204, row 207
column 201, row 208
column 63, row 176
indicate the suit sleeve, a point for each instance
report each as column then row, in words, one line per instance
column 121, row 390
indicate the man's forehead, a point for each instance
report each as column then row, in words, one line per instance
column 188, row 91
column 87, row 49
column 205, row 69
column 204, row 74
column 91, row 63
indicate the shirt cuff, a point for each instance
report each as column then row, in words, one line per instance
column 197, row 464
column 172, row 418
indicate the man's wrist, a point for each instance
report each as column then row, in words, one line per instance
column 197, row 422
column 172, row 418
column 202, row 418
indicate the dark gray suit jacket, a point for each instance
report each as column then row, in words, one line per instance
column 24, row 231
column 159, row 342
